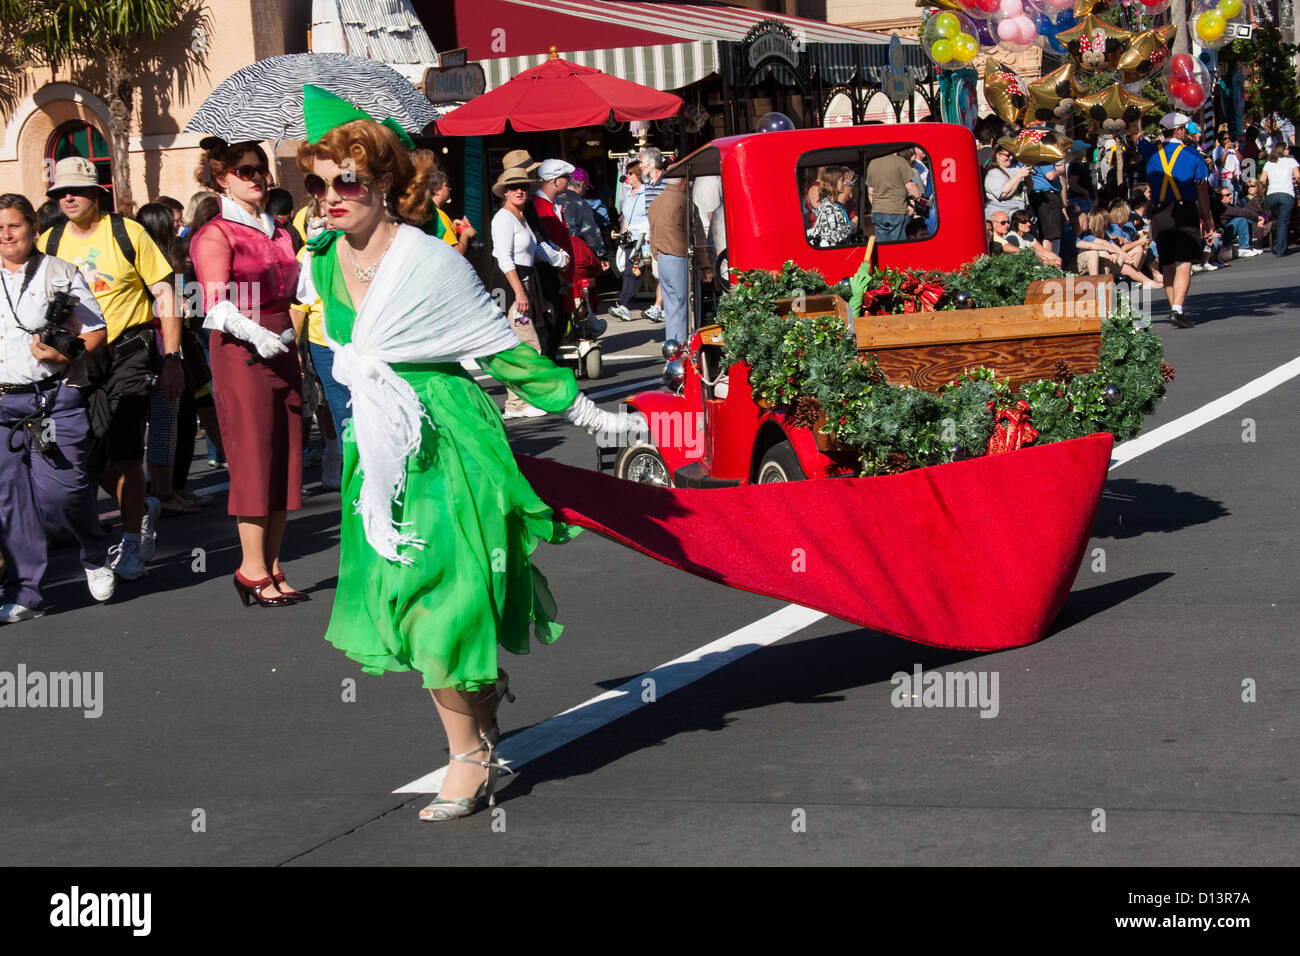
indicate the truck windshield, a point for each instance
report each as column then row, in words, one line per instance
column 849, row 194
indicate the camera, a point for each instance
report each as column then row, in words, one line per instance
column 52, row 333
column 625, row 239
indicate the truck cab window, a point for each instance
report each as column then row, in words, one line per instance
column 850, row 194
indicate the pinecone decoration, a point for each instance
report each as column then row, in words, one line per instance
column 806, row 412
column 897, row 463
column 1063, row 372
column 1166, row 371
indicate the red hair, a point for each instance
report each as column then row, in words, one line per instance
column 374, row 150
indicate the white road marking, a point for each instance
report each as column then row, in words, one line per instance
column 593, row 714
column 1203, row 415
column 672, row 675
column 625, row 387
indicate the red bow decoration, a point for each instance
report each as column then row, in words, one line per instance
column 1159, row 56
column 1031, row 136
column 1012, row 82
column 1011, row 429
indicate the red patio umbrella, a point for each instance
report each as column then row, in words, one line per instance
column 558, row 95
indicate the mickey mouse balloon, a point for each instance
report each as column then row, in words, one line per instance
column 1095, row 44
column 1115, row 111
column 1006, row 92
column 1146, row 54
column 1051, row 99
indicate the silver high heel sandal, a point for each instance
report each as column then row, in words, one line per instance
column 441, row 809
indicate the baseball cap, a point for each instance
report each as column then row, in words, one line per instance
column 553, row 169
column 74, row 172
column 1193, row 128
column 1174, row 120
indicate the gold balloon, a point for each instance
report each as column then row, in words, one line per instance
column 942, row 4
column 1037, row 145
column 1084, row 7
column 1095, row 44
column 1052, row 98
column 1007, row 93
column 1114, row 110
column 1147, row 53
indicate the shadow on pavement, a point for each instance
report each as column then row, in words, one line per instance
column 1130, row 508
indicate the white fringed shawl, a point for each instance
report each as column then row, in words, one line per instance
column 426, row 304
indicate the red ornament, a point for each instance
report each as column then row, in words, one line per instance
column 1011, row 429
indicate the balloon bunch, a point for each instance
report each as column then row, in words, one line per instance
column 949, row 39
column 1215, row 22
column 1186, row 81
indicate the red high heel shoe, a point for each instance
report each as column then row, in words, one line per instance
column 251, row 591
column 291, row 594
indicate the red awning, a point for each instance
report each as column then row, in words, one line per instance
column 491, row 29
column 558, row 95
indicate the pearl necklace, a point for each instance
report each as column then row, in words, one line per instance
column 368, row 274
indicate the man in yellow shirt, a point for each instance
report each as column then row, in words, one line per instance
column 123, row 268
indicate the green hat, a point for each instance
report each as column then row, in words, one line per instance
column 322, row 111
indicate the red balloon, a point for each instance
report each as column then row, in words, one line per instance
column 1193, row 96
column 1183, row 67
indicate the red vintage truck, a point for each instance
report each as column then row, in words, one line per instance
column 706, row 429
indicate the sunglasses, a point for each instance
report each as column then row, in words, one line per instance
column 246, row 173
column 346, row 185
column 515, row 187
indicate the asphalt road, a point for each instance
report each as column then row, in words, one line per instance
column 776, row 751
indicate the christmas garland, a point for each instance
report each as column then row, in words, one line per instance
column 812, row 366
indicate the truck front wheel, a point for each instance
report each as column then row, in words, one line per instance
column 780, row 464
column 644, row 465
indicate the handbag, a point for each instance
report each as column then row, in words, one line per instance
column 194, row 364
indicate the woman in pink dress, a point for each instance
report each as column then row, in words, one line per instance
column 246, row 266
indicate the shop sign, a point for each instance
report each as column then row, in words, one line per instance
column 454, row 84
column 771, row 40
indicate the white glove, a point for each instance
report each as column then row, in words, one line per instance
column 224, row 317
column 610, row 428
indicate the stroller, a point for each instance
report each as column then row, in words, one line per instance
column 579, row 344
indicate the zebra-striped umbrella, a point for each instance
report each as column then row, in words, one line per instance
column 264, row 101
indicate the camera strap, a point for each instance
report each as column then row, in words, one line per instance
column 29, row 273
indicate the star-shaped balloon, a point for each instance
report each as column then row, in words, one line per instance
column 1146, row 53
column 1114, row 110
column 942, row 5
column 1006, row 92
column 1037, row 145
column 1052, row 98
column 1084, row 7
column 1095, row 44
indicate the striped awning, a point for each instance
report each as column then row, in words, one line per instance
column 666, row 67
column 689, row 35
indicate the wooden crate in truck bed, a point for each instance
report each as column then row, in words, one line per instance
column 1061, row 319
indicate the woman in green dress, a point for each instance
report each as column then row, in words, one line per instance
column 437, row 523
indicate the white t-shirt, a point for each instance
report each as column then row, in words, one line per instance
column 17, row 364
column 1280, row 174
column 513, row 244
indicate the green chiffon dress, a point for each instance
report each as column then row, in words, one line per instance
column 473, row 586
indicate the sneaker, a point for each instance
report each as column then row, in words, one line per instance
column 13, row 613
column 102, row 582
column 1180, row 321
column 528, row 411
column 215, row 463
column 1197, row 267
column 1249, row 253
column 198, row 499
column 620, row 312
column 149, row 529
column 126, row 562
column 1210, row 267
column 654, row 314
column 331, row 473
